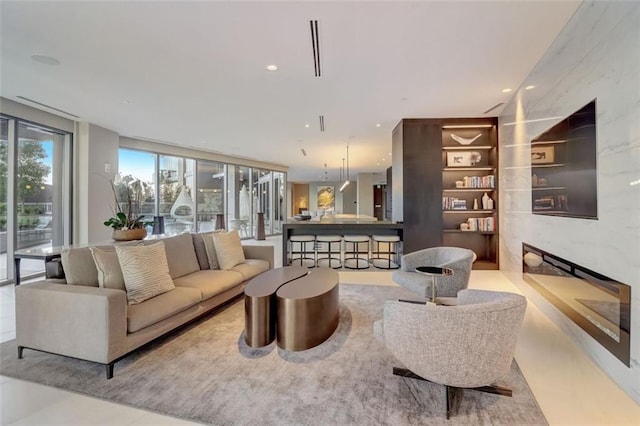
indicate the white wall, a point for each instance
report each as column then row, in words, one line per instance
column 95, row 203
column 597, row 55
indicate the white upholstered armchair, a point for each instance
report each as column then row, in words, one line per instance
column 470, row 345
column 456, row 258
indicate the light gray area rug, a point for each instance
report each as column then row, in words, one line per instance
column 206, row 373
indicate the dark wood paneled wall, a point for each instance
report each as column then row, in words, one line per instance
column 422, row 202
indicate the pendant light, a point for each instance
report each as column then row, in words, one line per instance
column 346, row 182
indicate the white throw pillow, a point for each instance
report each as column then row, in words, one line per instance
column 145, row 271
column 228, row 249
column 108, row 266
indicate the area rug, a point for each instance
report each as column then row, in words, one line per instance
column 206, row 373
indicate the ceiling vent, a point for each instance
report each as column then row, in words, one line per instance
column 493, row 107
column 315, row 44
column 303, row 152
column 46, row 106
column 322, row 123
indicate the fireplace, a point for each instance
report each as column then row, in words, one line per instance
column 598, row 304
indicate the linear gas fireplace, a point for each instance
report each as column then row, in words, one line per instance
column 598, row 304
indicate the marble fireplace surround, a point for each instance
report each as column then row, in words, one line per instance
column 598, row 304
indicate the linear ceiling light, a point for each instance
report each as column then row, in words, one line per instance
column 315, row 44
column 467, row 126
column 322, row 123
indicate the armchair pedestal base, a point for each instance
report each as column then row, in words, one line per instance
column 497, row 390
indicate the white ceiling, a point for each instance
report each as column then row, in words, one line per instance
column 194, row 72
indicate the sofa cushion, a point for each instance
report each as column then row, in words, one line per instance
column 160, row 307
column 79, row 267
column 228, row 249
column 181, row 255
column 210, row 282
column 201, row 251
column 108, row 266
column 251, row 267
column 145, row 271
column 210, row 248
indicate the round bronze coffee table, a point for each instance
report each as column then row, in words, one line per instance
column 308, row 310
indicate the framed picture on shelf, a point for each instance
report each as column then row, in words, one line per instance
column 463, row 158
column 542, row 154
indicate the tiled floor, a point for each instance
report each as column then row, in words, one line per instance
column 569, row 387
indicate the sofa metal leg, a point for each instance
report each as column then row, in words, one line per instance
column 109, row 370
column 449, row 391
column 20, row 349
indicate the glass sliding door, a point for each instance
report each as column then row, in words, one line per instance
column 239, row 200
column 209, row 193
column 35, row 164
column 176, row 181
column 137, row 174
column 4, row 207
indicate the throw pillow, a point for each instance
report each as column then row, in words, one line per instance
column 210, row 248
column 79, row 268
column 145, row 271
column 108, row 266
column 228, row 249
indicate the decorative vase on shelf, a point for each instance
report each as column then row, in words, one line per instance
column 490, row 204
column 129, row 234
column 475, row 204
column 485, row 202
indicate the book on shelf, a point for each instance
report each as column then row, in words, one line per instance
column 479, row 182
column 453, row 203
column 480, row 224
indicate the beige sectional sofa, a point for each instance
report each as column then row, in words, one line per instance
column 77, row 318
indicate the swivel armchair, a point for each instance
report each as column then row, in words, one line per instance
column 470, row 345
column 456, row 258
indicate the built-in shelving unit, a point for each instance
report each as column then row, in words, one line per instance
column 465, row 184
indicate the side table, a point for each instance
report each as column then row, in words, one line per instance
column 45, row 254
column 434, row 272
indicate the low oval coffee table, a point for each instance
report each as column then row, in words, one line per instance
column 308, row 311
column 260, row 303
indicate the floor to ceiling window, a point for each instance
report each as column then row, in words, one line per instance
column 34, row 192
column 191, row 194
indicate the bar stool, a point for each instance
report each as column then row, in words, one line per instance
column 303, row 242
column 391, row 242
column 325, row 244
column 354, row 253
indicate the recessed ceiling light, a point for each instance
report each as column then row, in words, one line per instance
column 377, row 164
column 389, row 153
column 272, row 67
column 306, row 125
column 125, row 102
column 378, row 125
column 529, row 87
column 507, row 90
column 47, row 60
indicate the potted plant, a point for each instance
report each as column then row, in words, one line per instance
column 127, row 222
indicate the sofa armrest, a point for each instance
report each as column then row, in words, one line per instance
column 259, row 252
column 83, row 322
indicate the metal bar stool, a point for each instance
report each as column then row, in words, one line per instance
column 305, row 246
column 352, row 254
column 385, row 259
column 325, row 244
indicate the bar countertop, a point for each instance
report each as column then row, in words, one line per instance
column 337, row 227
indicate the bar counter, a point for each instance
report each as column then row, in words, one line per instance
column 336, row 227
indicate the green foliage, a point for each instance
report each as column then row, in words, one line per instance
column 129, row 193
column 31, row 171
